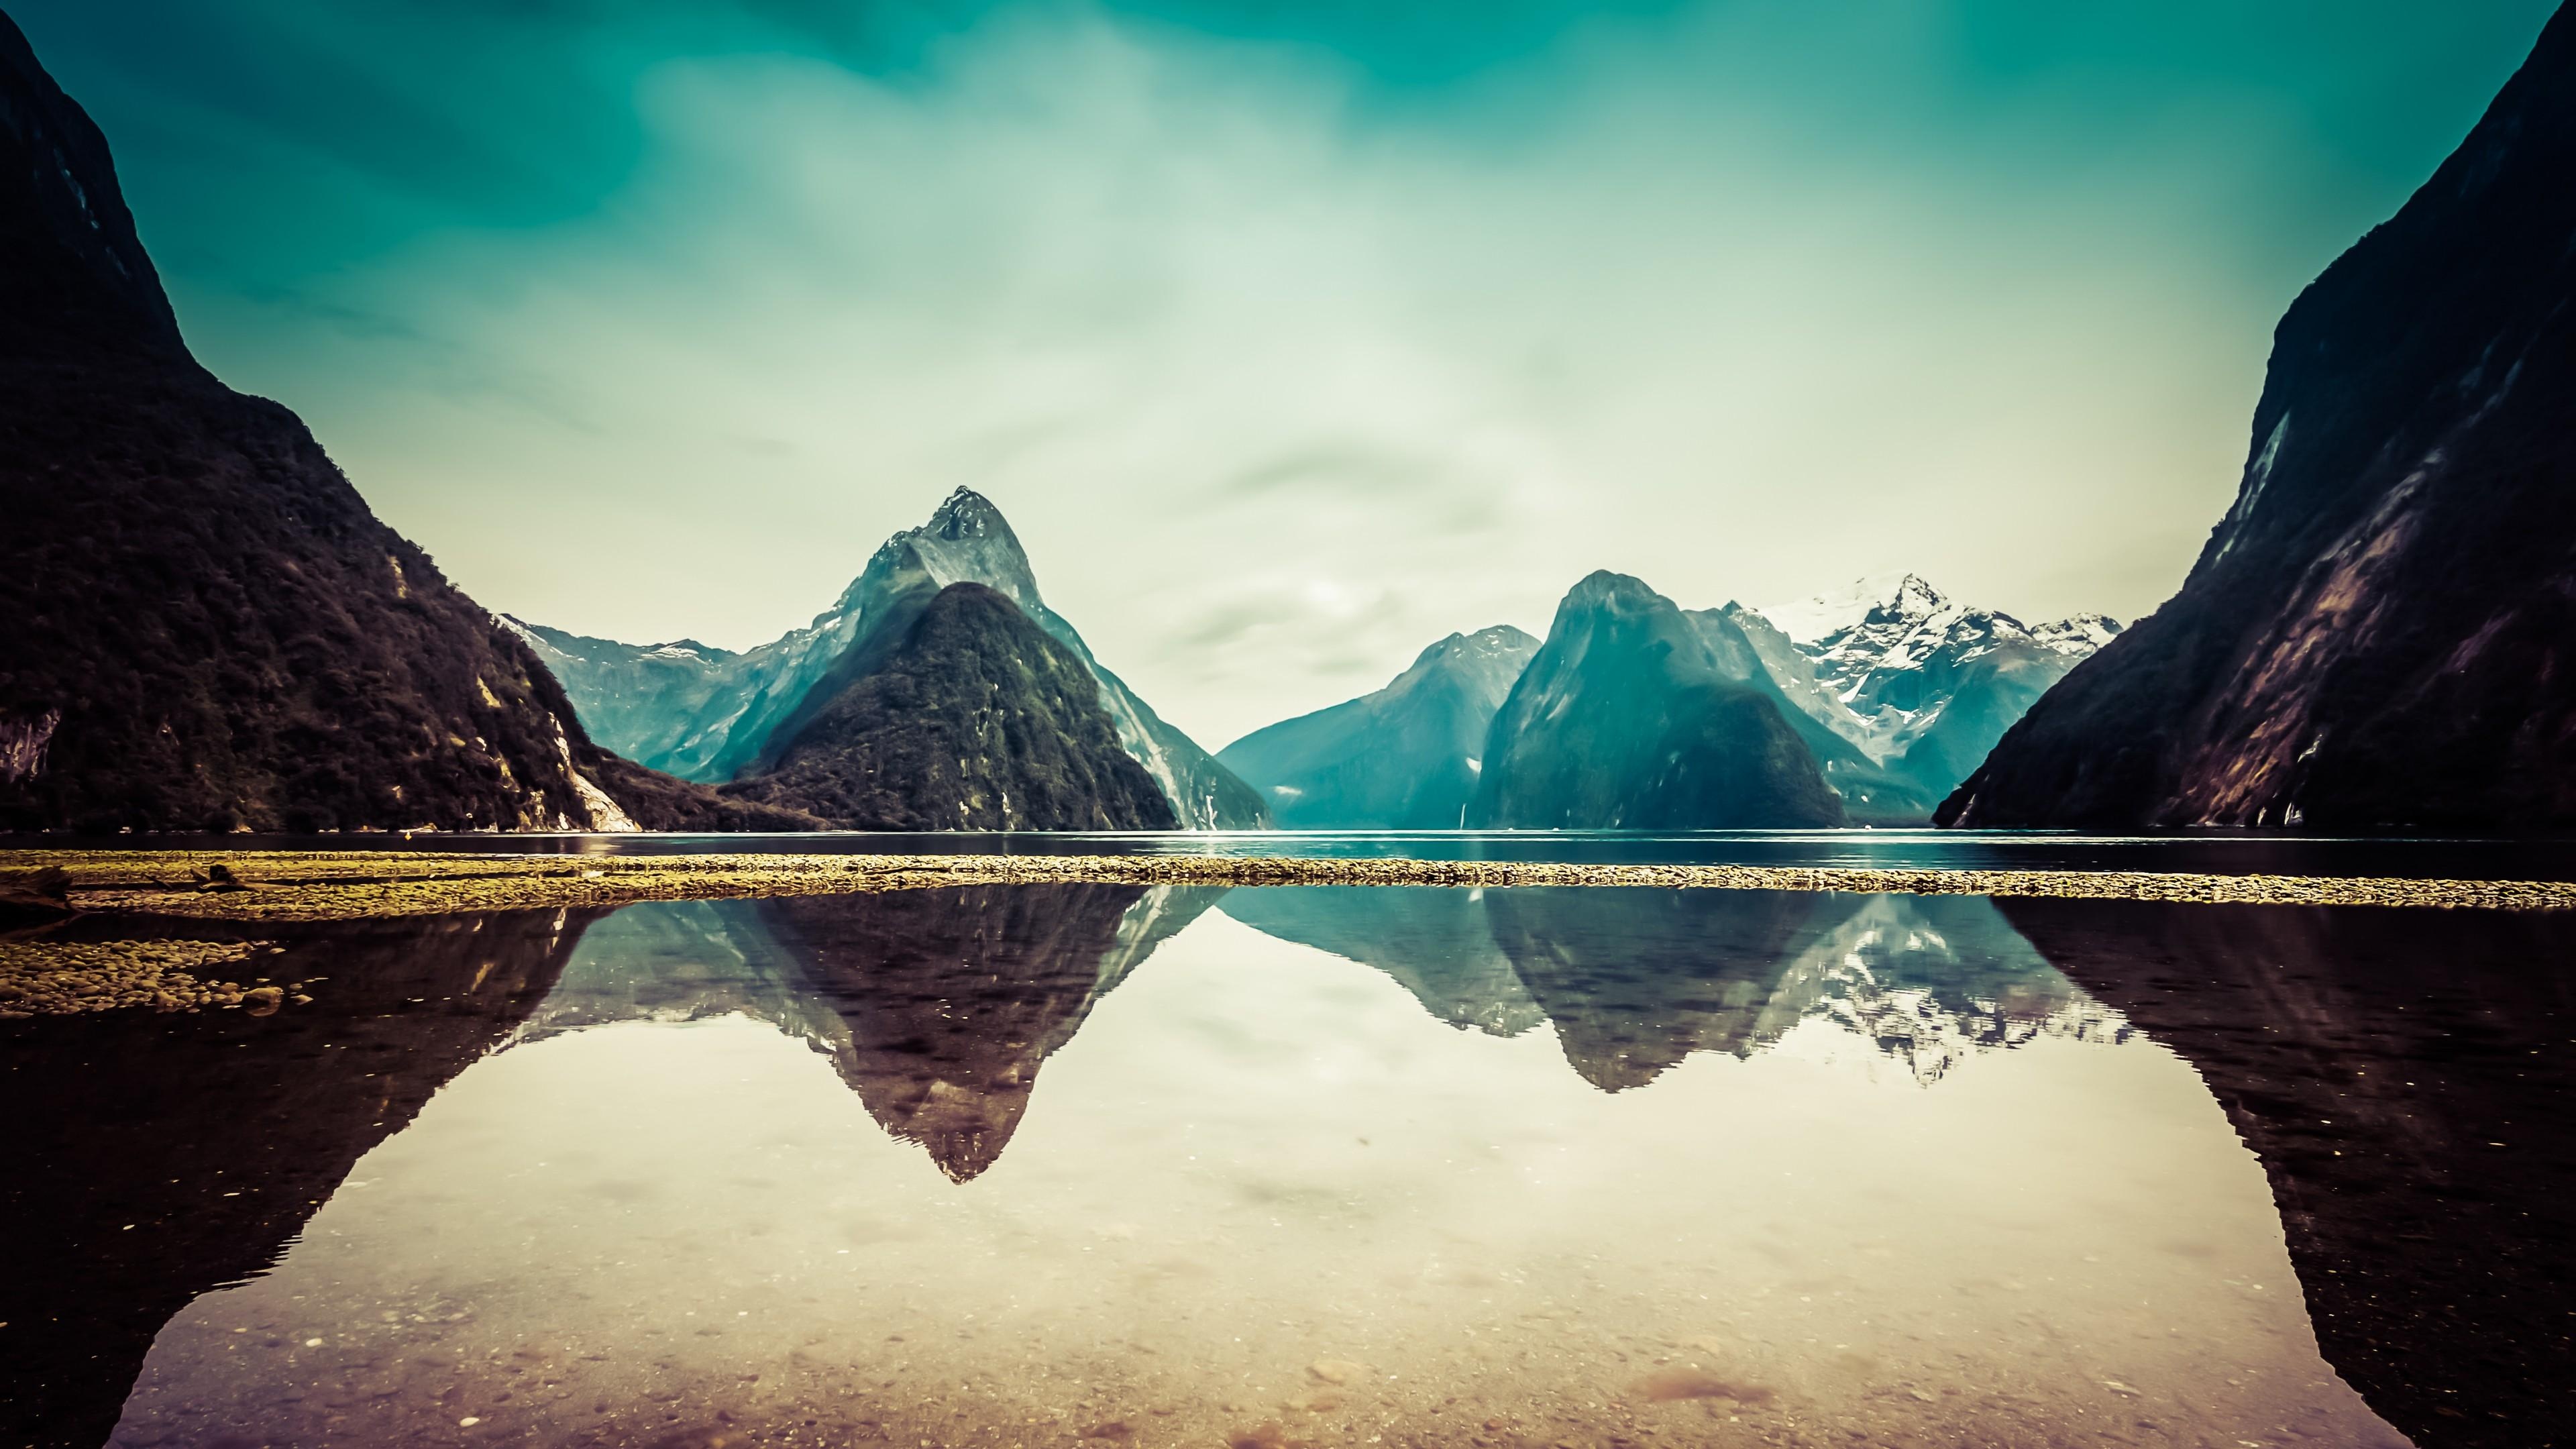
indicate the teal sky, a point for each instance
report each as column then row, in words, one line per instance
column 1291, row 336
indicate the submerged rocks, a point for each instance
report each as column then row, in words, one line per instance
column 67, row 978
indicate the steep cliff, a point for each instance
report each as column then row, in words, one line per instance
column 2381, row 633
column 207, row 628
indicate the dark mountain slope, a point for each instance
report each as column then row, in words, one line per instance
column 2382, row 631
column 1403, row 758
column 1626, row 718
column 206, row 627
column 973, row 719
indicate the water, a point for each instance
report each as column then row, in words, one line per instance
column 1101, row 1165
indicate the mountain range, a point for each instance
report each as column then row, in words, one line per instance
column 212, row 631
column 1641, row 714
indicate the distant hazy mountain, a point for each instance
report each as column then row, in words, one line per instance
column 206, row 627
column 708, row 714
column 1627, row 717
column 973, row 719
column 1895, row 691
column 1920, row 685
column 1403, row 758
column 2377, row 635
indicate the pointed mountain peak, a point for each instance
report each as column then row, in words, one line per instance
column 1887, row 596
column 1603, row 589
column 965, row 540
column 77, row 275
column 1499, row 640
column 966, row 514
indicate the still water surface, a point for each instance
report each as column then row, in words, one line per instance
column 1056, row 1164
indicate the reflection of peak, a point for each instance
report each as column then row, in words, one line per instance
column 1634, row 986
column 952, row 999
column 1634, row 981
column 937, row 1007
column 1433, row 942
column 1931, row 980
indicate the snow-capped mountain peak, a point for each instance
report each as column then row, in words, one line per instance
column 2078, row 635
column 1885, row 597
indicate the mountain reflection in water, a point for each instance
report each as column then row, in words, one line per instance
column 780, row 1171
column 1273, row 1196
column 938, row 1007
column 1633, row 981
column 157, row 1156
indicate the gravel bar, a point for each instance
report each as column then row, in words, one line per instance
column 317, row 886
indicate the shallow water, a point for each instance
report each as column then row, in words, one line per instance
column 1045, row 1164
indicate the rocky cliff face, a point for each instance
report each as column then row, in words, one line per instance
column 971, row 718
column 1403, row 758
column 208, row 630
column 2381, row 633
column 1628, row 718
column 709, row 715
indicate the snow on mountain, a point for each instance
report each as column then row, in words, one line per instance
column 1812, row 619
column 1921, row 683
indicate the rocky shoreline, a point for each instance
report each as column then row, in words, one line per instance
column 315, row 886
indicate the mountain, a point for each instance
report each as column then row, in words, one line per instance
column 2377, row 635
column 1920, row 685
column 708, row 715
column 1403, row 758
column 973, row 719
column 208, row 630
column 1896, row 691
column 1628, row 718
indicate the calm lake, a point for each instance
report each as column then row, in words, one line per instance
column 1047, row 1165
